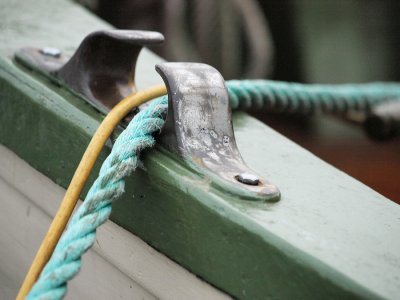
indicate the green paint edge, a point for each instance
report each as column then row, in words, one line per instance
column 173, row 209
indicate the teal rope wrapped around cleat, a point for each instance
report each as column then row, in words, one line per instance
column 123, row 159
column 309, row 98
column 80, row 234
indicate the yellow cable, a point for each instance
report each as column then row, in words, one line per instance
column 78, row 181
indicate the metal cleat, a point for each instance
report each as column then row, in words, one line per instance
column 199, row 130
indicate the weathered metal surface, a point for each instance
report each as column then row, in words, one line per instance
column 199, row 129
column 330, row 237
column 102, row 68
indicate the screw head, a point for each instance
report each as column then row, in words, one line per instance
column 49, row 51
column 247, row 178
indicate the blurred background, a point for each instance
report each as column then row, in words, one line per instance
column 310, row 41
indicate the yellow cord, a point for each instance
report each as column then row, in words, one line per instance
column 78, row 181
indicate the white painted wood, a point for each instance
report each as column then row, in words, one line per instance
column 22, row 225
column 119, row 266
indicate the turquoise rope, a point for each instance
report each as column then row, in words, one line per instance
column 80, row 234
column 309, row 98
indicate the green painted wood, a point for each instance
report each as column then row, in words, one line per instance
column 329, row 237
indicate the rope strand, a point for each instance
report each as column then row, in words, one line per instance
column 309, row 98
column 95, row 210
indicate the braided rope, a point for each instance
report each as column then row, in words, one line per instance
column 95, row 210
column 123, row 159
column 309, row 98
